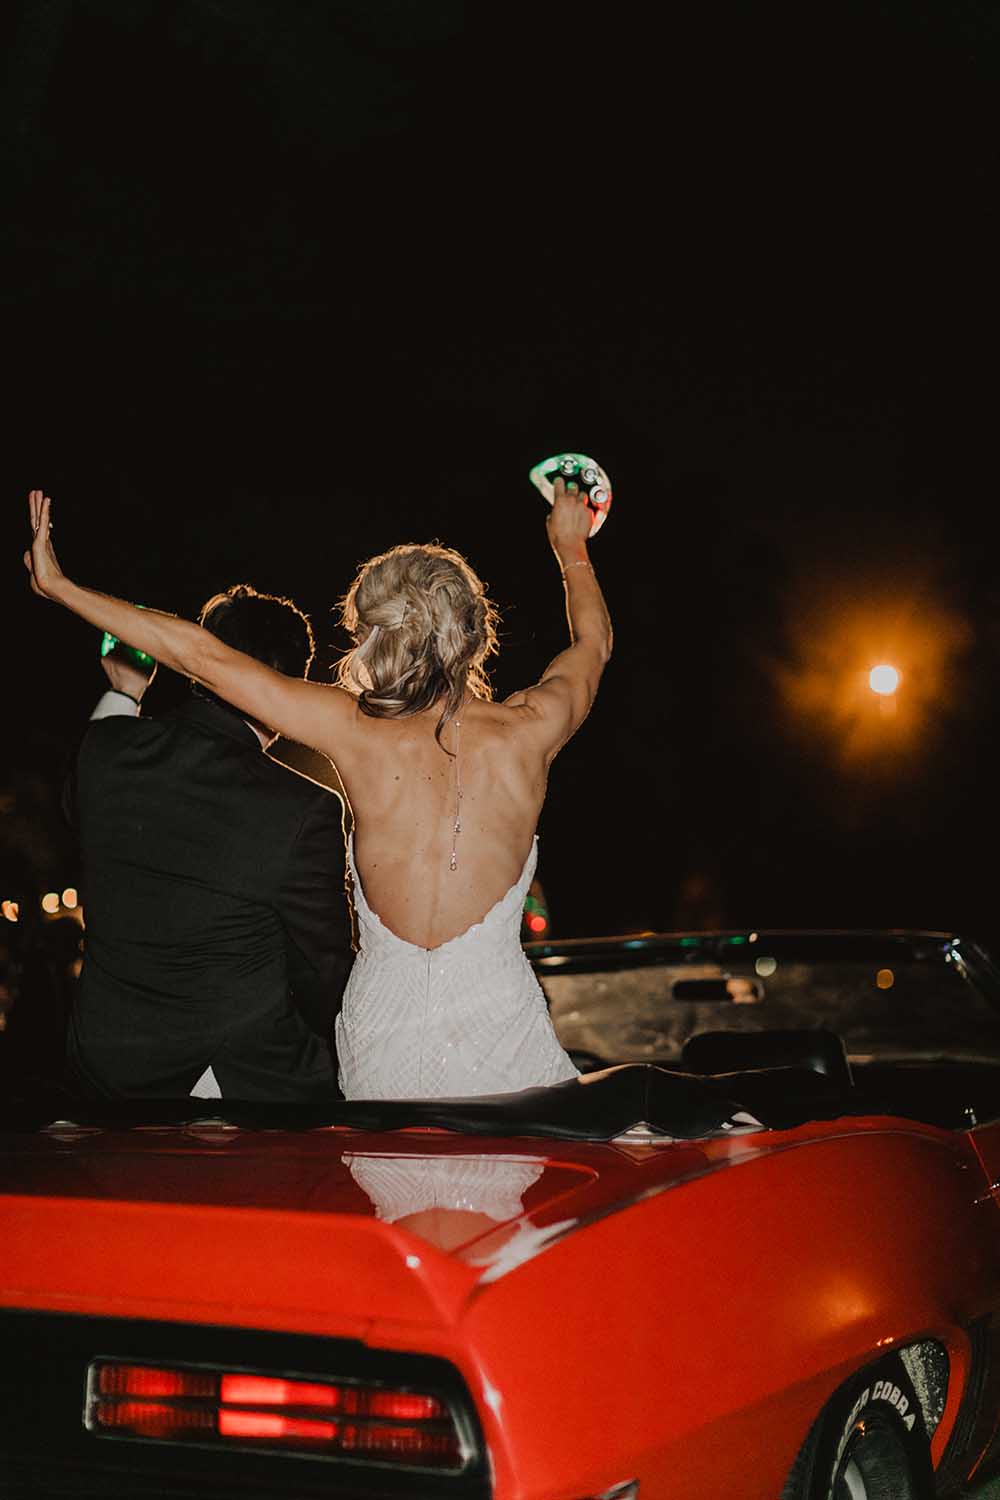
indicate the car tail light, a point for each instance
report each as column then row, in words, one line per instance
column 232, row 1408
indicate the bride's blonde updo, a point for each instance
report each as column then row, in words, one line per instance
column 423, row 628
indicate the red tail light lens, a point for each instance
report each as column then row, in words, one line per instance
column 231, row 1408
column 404, row 1406
column 267, row 1424
column 406, row 1443
column 145, row 1380
column 262, row 1390
column 151, row 1419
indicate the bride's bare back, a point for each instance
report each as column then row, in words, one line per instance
column 403, row 787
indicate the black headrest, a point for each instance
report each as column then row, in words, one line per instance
column 732, row 1051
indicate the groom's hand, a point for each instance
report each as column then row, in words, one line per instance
column 40, row 560
column 124, row 678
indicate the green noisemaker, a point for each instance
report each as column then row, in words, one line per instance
column 579, row 469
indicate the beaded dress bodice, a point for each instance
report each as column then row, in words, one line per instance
column 468, row 1017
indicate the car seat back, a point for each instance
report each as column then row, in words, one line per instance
column 815, row 1047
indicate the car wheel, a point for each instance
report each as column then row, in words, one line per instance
column 868, row 1443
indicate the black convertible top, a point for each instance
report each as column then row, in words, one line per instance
column 674, row 1104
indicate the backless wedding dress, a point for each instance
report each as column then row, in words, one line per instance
column 468, row 1017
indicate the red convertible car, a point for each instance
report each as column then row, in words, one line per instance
column 754, row 1253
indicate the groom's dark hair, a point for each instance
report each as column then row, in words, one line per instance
column 265, row 626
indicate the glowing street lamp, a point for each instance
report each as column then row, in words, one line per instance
column 883, row 680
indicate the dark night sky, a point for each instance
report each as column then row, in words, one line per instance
column 286, row 283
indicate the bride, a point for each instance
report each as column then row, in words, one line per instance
column 446, row 788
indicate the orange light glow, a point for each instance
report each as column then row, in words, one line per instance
column 50, row 902
column 856, row 644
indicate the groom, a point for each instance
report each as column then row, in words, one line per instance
column 218, row 937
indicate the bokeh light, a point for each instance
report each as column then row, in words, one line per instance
column 854, row 642
column 883, row 679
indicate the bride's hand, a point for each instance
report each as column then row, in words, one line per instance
column 40, row 560
column 568, row 522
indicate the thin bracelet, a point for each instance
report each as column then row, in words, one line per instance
column 580, row 563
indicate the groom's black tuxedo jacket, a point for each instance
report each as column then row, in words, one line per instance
column 217, row 924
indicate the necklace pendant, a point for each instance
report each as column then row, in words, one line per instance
column 453, row 863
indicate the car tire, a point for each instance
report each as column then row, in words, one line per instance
column 868, row 1443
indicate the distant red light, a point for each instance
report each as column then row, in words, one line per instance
column 537, row 923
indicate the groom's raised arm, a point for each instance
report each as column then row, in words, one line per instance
column 121, row 699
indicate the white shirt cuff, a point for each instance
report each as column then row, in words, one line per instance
column 111, row 703
column 207, row 1086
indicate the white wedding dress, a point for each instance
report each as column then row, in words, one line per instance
column 468, row 1017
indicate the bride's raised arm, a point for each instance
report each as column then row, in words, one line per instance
column 311, row 713
column 558, row 703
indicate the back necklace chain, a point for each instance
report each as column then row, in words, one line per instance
column 457, row 825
